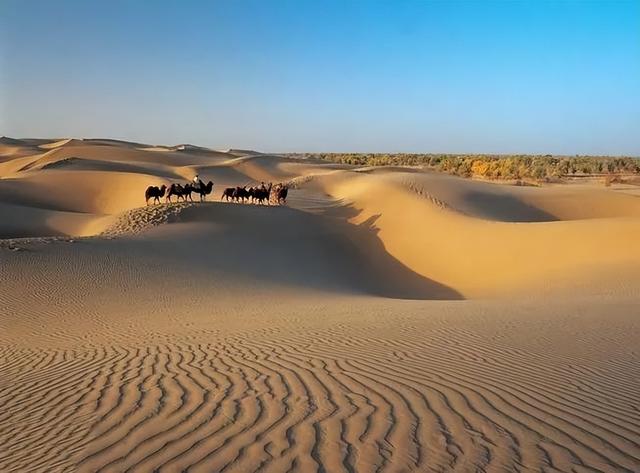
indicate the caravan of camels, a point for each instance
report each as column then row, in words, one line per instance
column 261, row 194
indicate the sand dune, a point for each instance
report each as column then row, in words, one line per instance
column 36, row 221
column 263, row 168
column 453, row 242
column 521, row 204
column 95, row 178
column 59, row 143
column 384, row 320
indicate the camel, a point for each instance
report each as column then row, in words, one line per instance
column 177, row 190
column 186, row 191
column 283, row 195
column 203, row 190
column 228, row 193
column 253, row 194
column 260, row 194
column 155, row 192
column 240, row 194
column 181, row 192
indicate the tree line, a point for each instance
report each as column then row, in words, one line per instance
column 539, row 167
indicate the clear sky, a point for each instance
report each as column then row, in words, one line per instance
column 421, row 76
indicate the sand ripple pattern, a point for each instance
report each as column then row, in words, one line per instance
column 278, row 401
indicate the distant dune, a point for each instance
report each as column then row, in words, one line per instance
column 384, row 319
column 241, row 152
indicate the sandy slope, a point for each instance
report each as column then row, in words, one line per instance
column 385, row 320
column 470, row 247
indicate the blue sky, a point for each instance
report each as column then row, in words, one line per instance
column 412, row 76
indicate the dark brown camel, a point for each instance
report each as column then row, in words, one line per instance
column 240, row 194
column 203, row 190
column 177, row 190
column 155, row 192
column 181, row 192
column 186, row 191
column 228, row 193
column 260, row 194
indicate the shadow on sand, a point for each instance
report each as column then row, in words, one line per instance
column 289, row 247
column 383, row 274
column 503, row 208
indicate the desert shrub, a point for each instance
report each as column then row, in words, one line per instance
column 513, row 167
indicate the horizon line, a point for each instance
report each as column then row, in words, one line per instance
column 249, row 148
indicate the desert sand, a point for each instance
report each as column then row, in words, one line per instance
column 385, row 319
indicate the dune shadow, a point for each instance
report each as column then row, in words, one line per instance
column 289, row 247
column 503, row 208
column 383, row 274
